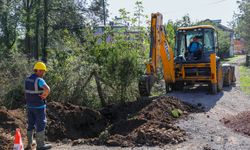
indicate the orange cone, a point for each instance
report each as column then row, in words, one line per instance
column 18, row 144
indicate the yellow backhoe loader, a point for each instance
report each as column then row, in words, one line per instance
column 188, row 63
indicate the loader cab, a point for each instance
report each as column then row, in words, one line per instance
column 195, row 44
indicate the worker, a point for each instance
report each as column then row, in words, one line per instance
column 36, row 92
column 195, row 47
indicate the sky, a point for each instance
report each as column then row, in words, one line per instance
column 176, row 9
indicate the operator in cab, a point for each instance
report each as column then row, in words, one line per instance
column 195, row 48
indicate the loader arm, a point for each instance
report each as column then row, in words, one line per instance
column 159, row 49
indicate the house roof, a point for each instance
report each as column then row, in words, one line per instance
column 195, row 27
column 218, row 24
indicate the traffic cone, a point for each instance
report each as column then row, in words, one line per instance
column 18, row 144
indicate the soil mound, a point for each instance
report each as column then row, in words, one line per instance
column 142, row 122
column 239, row 123
column 9, row 121
column 73, row 122
column 145, row 123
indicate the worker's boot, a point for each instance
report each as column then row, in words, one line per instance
column 40, row 138
column 30, row 140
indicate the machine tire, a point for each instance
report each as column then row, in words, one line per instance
column 178, row 85
column 168, row 87
column 233, row 73
column 213, row 88
column 228, row 78
column 219, row 78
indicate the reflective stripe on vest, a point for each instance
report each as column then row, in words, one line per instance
column 36, row 87
column 33, row 92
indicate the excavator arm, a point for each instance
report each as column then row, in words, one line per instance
column 159, row 49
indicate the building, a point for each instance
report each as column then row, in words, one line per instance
column 239, row 46
column 118, row 27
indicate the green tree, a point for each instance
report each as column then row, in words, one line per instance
column 29, row 8
column 184, row 22
column 119, row 70
column 9, row 19
column 224, row 43
column 99, row 10
column 82, row 69
column 139, row 12
column 124, row 15
column 170, row 33
column 242, row 23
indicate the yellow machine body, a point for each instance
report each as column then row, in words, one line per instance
column 160, row 49
column 180, row 67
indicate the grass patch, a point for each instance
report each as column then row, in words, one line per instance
column 245, row 79
column 232, row 59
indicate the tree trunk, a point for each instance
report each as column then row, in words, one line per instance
column 5, row 29
column 87, row 81
column 45, row 32
column 36, row 50
column 27, row 34
column 99, row 89
column 248, row 60
column 104, row 12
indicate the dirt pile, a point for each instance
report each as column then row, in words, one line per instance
column 142, row 122
column 145, row 123
column 9, row 121
column 239, row 123
column 73, row 122
column 64, row 121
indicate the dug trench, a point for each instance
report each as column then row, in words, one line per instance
column 142, row 122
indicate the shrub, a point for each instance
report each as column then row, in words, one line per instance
column 13, row 71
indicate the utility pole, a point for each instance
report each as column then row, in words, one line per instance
column 104, row 12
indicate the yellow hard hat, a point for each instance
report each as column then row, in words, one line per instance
column 40, row 66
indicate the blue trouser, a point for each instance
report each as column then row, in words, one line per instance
column 36, row 119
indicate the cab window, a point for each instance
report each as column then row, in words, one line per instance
column 208, row 40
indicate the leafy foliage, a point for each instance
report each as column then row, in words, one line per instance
column 13, row 72
column 242, row 22
column 84, row 68
column 9, row 18
column 184, row 22
column 224, row 43
column 139, row 13
column 170, row 33
column 97, row 7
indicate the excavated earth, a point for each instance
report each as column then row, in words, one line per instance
column 142, row 122
column 145, row 122
column 239, row 123
column 9, row 121
column 67, row 121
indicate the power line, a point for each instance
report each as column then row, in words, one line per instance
column 217, row 2
column 198, row 7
